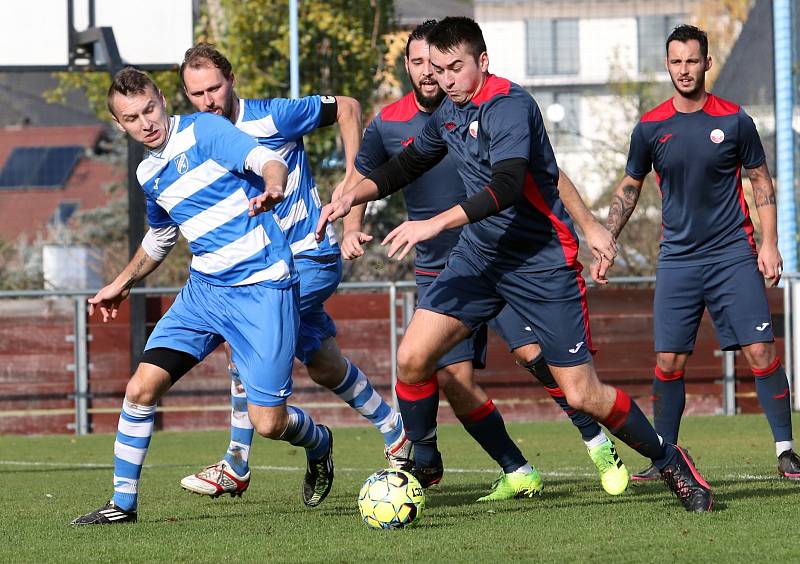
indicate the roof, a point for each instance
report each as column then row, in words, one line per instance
column 414, row 12
column 22, row 103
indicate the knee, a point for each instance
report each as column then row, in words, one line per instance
column 527, row 353
column 577, row 398
column 139, row 392
column 270, row 425
column 670, row 362
column 760, row 355
column 411, row 367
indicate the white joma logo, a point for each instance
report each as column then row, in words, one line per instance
column 577, row 348
column 762, row 326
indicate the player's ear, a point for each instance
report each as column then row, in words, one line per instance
column 709, row 62
column 405, row 59
column 117, row 124
column 483, row 61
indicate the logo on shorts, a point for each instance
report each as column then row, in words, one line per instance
column 527, row 328
column 182, row 163
column 577, row 348
column 665, row 138
column 762, row 326
column 473, row 129
column 327, row 99
column 717, row 136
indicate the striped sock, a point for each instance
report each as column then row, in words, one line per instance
column 238, row 452
column 302, row 431
column 133, row 438
column 356, row 390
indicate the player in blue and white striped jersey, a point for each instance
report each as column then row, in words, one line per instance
column 214, row 184
column 280, row 124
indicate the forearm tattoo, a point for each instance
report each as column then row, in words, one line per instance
column 136, row 271
column 763, row 194
column 621, row 209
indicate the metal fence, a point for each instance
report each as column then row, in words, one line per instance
column 402, row 298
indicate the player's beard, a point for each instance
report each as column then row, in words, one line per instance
column 699, row 86
column 430, row 103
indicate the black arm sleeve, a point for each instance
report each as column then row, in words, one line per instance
column 403, row 169
column 328, row 109
column 508, row 184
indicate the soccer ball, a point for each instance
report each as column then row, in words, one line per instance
column 391, row 499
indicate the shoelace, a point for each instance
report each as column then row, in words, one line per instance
column 678, row 483
column 602, row 463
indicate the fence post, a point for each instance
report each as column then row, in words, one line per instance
column 393, row 338
column 788, row 337
column 729, row 382
column 81, row 368
column 794, row 300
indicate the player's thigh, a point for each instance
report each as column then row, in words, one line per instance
column 318, row 281
column 736, row 299
column 188, row 325
column 513, row 329
column 261, row 326
column 429, row 336
column 677, row 308
column 553, row 304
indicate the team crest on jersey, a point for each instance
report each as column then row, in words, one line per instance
column 182, row 163
column 717, row 136
column 473, row 129
column 407, row 142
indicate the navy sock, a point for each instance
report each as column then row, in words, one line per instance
column 586, row 425
column 669, row 401
column 486, row 426
column 772, row 389
column 419, row 406
column 627, row 422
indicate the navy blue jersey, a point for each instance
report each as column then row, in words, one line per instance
column 501, row 122
column 698, row 159
column 435, row 191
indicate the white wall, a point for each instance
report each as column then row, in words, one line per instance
column 505, row 43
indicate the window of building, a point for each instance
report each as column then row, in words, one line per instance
column 64, row 212
column 653, row 32
column 552, row 46
column 39, row 167
column 562, row 116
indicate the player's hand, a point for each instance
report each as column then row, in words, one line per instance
column 351, row 245
column 271, row 197
column 770, row 263
column 329, row 213
column 601, row 242
column 403, row 237
column 107, row 300
column 599, row 268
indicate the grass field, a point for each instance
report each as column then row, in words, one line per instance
column 47, row 481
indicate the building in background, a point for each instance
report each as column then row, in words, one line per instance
column 575, row 57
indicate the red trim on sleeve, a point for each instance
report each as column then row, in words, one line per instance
column 663, row 111
column 402, row 110
column 762, row 372
column 414, row 392
column 480, row 413
column 425, row 272
column 491, row 193
column 669, row 376
column 718, row 107
column 619, row 413
column 492, row 86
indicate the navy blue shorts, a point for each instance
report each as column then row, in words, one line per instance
column 733, row 292
column 472, row 348
column 513, row 329
column 552, row 302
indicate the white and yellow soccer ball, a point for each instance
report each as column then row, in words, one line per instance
column 391, row 499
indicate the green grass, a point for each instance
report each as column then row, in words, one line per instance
column 755, row 517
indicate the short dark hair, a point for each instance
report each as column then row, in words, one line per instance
column 422, row 31
column 451, row 32
column 685, row 33
column 203, row 55
column 129, row 80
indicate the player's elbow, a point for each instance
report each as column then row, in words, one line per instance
column 348, row 108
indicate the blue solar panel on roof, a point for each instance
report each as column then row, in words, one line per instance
column 39, row 167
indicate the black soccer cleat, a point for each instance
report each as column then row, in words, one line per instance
column 649, row 474
column 789, row 465
column 319, row 476
column 428, row 476
column 687, row 484
column 109, row 514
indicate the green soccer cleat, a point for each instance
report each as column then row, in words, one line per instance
column 514, row 485
column 613, row 474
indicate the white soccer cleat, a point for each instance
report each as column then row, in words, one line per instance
column 216, row 480
column 398, row 454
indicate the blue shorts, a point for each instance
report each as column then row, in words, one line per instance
column 318, row 281
column 552, row 302
column 260, row 323
column 733, row 292
column 513, row 329
column 472, row 348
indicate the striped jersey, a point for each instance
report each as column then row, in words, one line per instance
column 198, row 182
column 279, row 124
